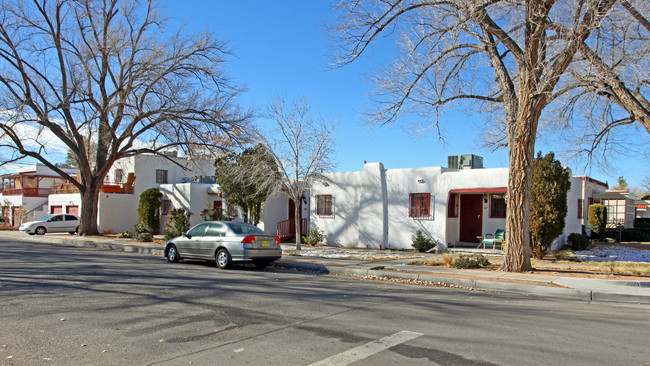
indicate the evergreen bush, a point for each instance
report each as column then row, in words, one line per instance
column 422, row 243
column 466, row 262
column 139, row 232
column 578, row 241
column 548, row 204
column 314, row 237
column 149, row 209
column 597, row 219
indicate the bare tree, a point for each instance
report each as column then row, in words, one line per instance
column 302, row 146
column 108, row 72
column 513, row 58
column 645, row 185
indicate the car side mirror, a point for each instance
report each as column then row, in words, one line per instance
column 186, row 234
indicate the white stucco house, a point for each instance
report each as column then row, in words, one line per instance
column 125, row 182
column 24, row 194
column 383, row 208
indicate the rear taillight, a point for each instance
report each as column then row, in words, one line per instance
column 249, row 240
column 277, row 240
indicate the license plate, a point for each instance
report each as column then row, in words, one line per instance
column 266, row 243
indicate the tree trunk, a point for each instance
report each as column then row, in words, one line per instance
column 521, row 147
column 89, row 209
column 298, row 220
column 517, row 255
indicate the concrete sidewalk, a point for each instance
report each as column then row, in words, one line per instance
column 575, row 288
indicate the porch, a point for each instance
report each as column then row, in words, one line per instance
column 473, row 213
column 287, row 229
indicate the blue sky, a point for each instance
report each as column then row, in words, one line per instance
column 281, row 48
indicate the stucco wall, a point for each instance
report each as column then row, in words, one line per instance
column 342, row 227
column 275, row 209
column 193, row 197
column 400, row 183
column 117, row 212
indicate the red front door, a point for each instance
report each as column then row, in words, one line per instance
column 292, row 210
column 471, row 223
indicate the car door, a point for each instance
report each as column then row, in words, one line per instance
column 71, row 223
column 55, row 224
column 189, row 244
column 209, row 243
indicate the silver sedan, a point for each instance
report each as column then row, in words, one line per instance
column 225, row 242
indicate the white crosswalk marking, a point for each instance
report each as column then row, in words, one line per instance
column 368, row 349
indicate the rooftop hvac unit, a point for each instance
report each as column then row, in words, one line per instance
column 468, row 161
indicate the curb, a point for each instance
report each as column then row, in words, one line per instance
column 483, row 285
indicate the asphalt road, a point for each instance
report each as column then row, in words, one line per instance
column 77, row 306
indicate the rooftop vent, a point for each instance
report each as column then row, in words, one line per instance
column 468, row 161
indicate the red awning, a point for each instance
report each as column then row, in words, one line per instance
column 480, row 190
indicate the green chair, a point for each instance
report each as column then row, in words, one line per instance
column 498, row 238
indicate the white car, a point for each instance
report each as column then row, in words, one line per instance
column 58, row 223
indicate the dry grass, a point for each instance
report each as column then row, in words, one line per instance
column 448, row 259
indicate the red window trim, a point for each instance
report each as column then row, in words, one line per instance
column 452, row 208
column 505, row 208
column 326, row 200
column 420, row 205
column 581, row 207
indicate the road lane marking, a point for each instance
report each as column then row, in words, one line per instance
column 368, row 349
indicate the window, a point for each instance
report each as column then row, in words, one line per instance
column 420, row 205
column 56, row 218
column 580, row 208
column 166, row 207
column 232, row 211
column 197, row 230
column 161, row 176
column 216, row 230
column 498, row 206
column 217, row 205
column 324, row 205
column 452, row 208
column 119, row 175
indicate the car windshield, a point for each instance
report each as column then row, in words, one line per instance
column 46, row 218
column 239, row 228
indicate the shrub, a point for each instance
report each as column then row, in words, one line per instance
column 179, row 221
column 214, row 214
column 578, row 241
column 422, row 243
column 597, row 219
column 138, row 232
column 314, row 236
column 465, row 262
column 548, row 203
column 149, row 209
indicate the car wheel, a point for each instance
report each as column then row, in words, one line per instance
column 172, row 254
column 261, row 264
column 222, row 259
column 76, row 230
column 40, row 230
